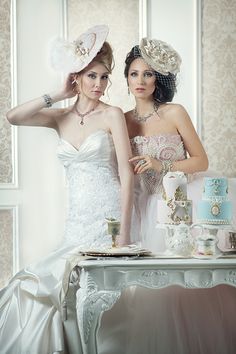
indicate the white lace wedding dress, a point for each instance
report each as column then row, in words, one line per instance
column 30, row 306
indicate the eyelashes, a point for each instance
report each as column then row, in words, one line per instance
column 93, row 76
column 145, row 74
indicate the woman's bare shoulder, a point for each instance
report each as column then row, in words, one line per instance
column 173, row 112
column 172, row 108
column 113, row 111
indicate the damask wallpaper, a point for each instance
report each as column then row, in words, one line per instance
column 5, row 93
column 6, row 242
column 122, row 17
column 219, row 84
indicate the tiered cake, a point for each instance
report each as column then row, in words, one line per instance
column 174, row 208
column 215, row 208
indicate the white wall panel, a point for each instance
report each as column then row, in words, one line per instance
column 41, row 191
column 177, row 22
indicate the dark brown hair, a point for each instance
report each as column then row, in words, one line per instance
column 163, row 93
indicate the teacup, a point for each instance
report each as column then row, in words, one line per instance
column 205, row 243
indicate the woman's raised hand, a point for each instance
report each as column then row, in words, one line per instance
column 69, row 89
column 145, row 162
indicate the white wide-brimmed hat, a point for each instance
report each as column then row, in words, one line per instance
column 72, row 57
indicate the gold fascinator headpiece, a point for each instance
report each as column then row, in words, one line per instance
column 160, row 56
column 71, row 57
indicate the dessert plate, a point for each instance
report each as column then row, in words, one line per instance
column 129, row 251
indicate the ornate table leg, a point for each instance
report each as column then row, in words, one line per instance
column 91, row 303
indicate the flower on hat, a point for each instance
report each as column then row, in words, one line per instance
column 80, row 49
column 70, row 57
column 160, row 56
column 67, row 56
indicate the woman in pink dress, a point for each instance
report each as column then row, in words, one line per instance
column 171, row 320
column 162, row 135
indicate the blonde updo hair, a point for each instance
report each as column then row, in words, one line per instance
column 105, row 57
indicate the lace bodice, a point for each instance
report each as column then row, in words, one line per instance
column 93, row 188
column 160, row 147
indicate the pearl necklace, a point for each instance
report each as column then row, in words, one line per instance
column 82, row 115
column 143, row 119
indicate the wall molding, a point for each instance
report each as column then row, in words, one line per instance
column 142, row 19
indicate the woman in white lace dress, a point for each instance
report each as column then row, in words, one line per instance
column 94, row 149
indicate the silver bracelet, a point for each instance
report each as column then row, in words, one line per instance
column 166, row 166
column 47, row 100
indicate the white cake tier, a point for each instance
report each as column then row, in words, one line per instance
column 174, row 212
column 175, row 186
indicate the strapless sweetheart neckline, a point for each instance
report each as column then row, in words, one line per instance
column 99, row 131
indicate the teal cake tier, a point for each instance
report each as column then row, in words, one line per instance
column 215, row 213
column 215, row 187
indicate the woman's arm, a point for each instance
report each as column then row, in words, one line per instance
column 197, row 160
column 34, row 113
column 119, row 132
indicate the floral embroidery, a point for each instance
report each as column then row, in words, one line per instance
column 160, row 147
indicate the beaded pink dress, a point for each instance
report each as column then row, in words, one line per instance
column 148, row 186
column 171, row 320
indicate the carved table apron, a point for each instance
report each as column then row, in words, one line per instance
column 102, row 281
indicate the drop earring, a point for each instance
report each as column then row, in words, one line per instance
column 78, row 90
column 128, row 91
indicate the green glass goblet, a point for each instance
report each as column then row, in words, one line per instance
column 113, row 229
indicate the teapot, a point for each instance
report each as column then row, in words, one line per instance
column 179, row 240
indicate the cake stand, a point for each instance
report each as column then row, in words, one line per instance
column 213, row 228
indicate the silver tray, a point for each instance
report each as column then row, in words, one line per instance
column 116, row 253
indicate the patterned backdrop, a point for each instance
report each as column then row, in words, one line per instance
column 6, row 242
column 5, row 93
column 219, row 84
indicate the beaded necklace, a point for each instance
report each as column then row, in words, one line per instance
column 82, row 115
column 143, row 119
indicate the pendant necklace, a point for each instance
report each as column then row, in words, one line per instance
column 143, row 119
column 82, row 115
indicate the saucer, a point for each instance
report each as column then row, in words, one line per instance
column 203, row 256
column 127, row 251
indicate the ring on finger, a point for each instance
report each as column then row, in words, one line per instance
column 142, row 162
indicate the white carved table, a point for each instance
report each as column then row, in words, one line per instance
column 102, row 281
